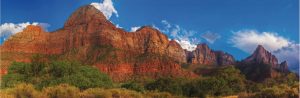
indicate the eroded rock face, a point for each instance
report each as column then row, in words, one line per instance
column 88, row 37
column 31, row 40
column 261, row 55
column 283, row 67
column 204, row 55
column 266, row 64
column 224, row 58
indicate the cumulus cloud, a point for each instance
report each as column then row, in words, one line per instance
column 247, row 40
column 186, row 44
column 133, row 29
column 8, row 29
column 210, row 37
column 282, row 48
column 106, row 7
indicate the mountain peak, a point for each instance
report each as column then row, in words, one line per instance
column 261, row 55
column 86, row 15
column 203, row 46
column 259, row 49
column 35, row 28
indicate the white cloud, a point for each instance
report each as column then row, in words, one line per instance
column 282, row 48
column 210, row 37
column 184, row 37
column 247, row 40
column 185, row 44
column 166, row 23
column 118, row 26
column 8, row 29
column 106, row 7
column 133, row 29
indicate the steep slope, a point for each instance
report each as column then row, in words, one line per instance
column 261, row 55
column 204, row 55
column 262, row 65
column 88, row 37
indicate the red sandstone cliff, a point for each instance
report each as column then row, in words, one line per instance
column 204, row 55
column 88, row 37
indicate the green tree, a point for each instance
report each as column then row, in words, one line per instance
column 42, row 74
column 167, row 84
column 133, row 86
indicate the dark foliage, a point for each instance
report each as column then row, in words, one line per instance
column 43, row 74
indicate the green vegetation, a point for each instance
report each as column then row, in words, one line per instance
column 68, row 91
column 43, row 74
column 225, row 81
column 69, row 79
column 133, row 86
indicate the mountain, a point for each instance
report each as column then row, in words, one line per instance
column 88, row 37
column 262, row 65
column 261, row 55
column 204, row 55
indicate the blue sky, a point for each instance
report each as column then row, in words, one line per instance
column 230, row 20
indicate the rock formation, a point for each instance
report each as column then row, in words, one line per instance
column 261, row 55
column 88, row 37
column 204, row 55
column 262, row 65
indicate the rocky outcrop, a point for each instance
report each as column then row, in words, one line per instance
column 262, row 65
column 31, row 40
column 283, row 67
column 261, row 55
column 224, row 58
column 88, row 37
column 204, row 55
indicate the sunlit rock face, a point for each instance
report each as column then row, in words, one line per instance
column 89, row 37
column 205, row 56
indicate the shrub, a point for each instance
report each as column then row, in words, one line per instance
column 159, row 95
column 233, row 78
column 133, row 86
column 167, row 84
column 62, row 91
column 23, row 91
column 123, row 93
column 43, row 74
column 279, row 91
column 11, row 79
column 205, row 87
column 95, row 93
